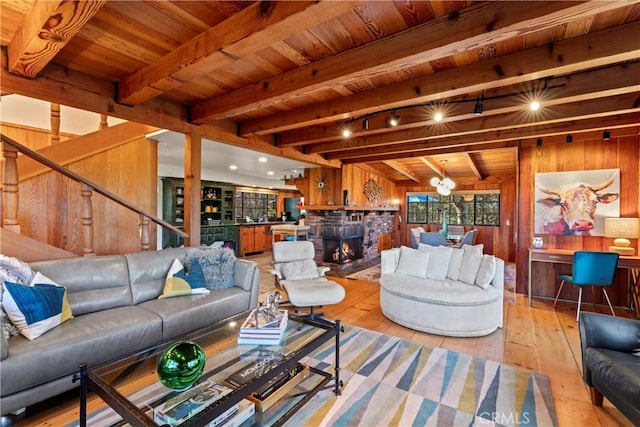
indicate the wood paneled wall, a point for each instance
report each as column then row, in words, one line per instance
column 499, row 241
column 50, row 204
column 587, row 152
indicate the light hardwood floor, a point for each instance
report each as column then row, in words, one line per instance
column 539, row 338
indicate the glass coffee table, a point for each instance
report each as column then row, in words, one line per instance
column 130, row 385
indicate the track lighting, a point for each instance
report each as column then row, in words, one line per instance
column 569, row 138
column 365, row 123
column 477, row 110
column 534, row 106
column 346, row 133
column 539, row 142
column 606, row 135
column 438, row 116
column 394, row 120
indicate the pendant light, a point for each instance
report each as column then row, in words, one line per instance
column 443, row 185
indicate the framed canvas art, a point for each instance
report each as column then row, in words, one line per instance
column 576, row 202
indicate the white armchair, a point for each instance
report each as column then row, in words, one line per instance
column 296, row 272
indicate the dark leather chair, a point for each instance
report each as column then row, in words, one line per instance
column 610, row 368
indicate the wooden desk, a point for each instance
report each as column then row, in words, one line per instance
column 565, row 256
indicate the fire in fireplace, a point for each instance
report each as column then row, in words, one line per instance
column 341, row 250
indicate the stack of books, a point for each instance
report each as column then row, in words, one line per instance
column 189, row 403
column 258, row 331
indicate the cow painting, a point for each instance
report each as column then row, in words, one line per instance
column 571, row 208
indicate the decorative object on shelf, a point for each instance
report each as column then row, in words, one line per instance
column 345, row 200
column 444, row 185
column 538, row 243
column 321, row 183
column 622, row 229
column 372, row 191
column 180, row 365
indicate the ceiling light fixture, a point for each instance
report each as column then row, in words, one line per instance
column 269, row 172
column 534, row 106
column 444, row 185
column 539, row 142
column 569, row 138
column 346, row 133
column 477, row 110
column 394, row 120
column 262, row 160
column 438, row 116
column 233, row 167
column 606, row 135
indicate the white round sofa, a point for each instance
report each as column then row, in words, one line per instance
column 419, row 290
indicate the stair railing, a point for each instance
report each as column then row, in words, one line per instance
column 10, row 197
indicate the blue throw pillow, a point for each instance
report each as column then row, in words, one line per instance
column 35, row 309
column 183, row 283
column 217, row 266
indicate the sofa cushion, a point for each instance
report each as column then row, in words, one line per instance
column 299, row 270
column 471, row 261
column 36, row 309
column 93, row 283
column 487, row 271
column 413, row 262
column 148, row 271
column 217, row 265
column 188, row 313
column 91, row 338
column 439, row 258
column 180, row 283
column 455, row 263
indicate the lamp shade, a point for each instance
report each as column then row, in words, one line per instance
column 622, row 229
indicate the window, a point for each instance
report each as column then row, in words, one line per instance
column 256, row 205
column 468, row 208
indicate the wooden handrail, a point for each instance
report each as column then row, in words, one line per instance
column 95, row 187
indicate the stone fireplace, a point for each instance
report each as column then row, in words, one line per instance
column 345, row 238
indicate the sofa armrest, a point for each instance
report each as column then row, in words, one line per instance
column 4, row 345
column 389, row 260
column 604, row 331
column 276, row 273
column 322, row 269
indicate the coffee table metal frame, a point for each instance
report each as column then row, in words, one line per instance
column 90, row 378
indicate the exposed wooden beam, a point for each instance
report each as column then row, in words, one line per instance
column 78, row 90
column 252, row 29
column 81, row 147
column 593, row 50
column 45, row 31
column 599, row 107
column 583, row 86
column 472, row 27
column 488, row 139
column 431, row 165
column 393, row 164
column 473, row 166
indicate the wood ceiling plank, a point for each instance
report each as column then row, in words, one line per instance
column 421, row 148
column 594, row 50
column 473, row 166
column 252, row 29
column 431, row 164
column 428, row 42
column 48, row 27
column 397, row 166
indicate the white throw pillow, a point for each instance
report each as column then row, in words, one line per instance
column 454, row 263
column 471, row 261
column 299, row 270
column 487, row 271
column 413, row 262
column 438, row 260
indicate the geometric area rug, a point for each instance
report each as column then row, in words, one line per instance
column 392, row 381
column 389, row 381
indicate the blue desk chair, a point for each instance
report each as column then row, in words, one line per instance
column 433, row 238
column 469, row 238
column 591, row 269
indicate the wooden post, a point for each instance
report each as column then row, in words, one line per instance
column 192, row 180
column 86, row 220
column 144, row 232
column 10, row 188
column 103, row 121
column 54, row 136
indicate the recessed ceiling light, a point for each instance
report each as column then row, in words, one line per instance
column 262, row 160
column 270, row 173
column 233, row 167
column 534, row 106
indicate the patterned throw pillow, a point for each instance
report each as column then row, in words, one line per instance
column 217, row 265
column 36, row 309
column 16, row 271
column 180, row 283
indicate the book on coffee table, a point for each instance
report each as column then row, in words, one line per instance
column 280, row 385
column 191, row 402
column 265, row 362
column 269, row 334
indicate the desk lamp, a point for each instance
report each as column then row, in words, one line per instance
column 622, row 229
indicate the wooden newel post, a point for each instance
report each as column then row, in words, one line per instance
column 10, row 188
column 86, row 220
column 54, row 137
column 144, row 232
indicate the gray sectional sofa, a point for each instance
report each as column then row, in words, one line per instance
column 116, row 311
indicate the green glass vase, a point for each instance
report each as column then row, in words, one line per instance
column 180, row 365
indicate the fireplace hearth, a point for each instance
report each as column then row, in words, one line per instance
column 342, row 250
